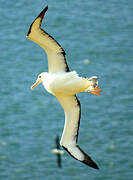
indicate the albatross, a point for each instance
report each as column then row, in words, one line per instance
column 64, row 85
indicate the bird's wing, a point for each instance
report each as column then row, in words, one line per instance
column 55, row 53
column 72, row 109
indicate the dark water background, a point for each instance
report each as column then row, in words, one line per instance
column 97, row 30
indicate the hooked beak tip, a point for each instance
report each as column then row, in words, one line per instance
column 32, row 88
column 35, row 84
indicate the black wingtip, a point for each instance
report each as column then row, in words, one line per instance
column 91, row 164
column 43, row 12
column 88, row 161
column 40, row 15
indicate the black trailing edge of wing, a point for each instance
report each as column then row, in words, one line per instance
column 41, row 15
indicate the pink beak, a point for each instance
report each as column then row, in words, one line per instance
column 38, row 81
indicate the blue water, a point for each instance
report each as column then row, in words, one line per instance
column 96, row 30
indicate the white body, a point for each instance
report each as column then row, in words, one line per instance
column 68, row 83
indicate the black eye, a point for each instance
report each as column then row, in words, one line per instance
column 39, row 76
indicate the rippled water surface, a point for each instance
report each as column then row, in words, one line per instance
column 97, row 36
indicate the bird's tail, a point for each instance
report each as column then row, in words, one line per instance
column 93, row 86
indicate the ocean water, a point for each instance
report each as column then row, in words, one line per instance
column 97, row 37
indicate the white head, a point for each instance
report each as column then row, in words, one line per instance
column 39, row 80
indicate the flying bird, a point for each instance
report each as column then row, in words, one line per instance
column 64, row 85
column 58, row 152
